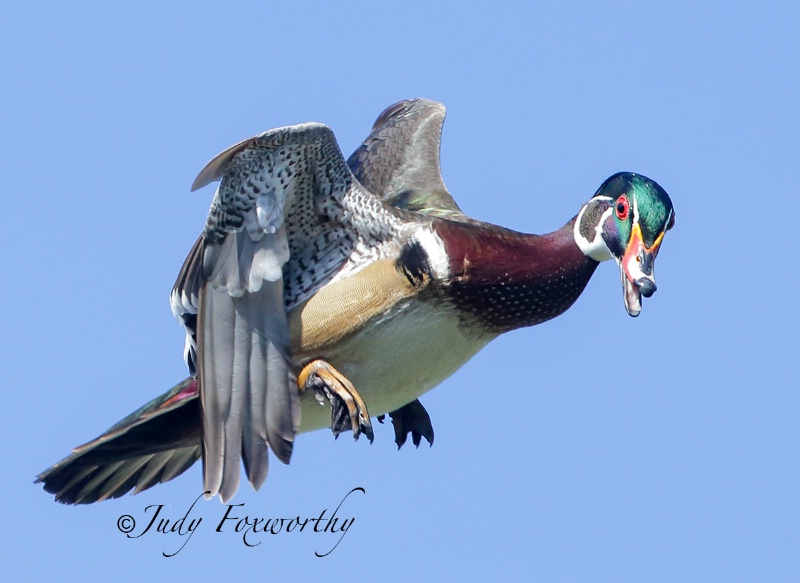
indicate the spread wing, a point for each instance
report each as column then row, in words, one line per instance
column 288, row 213
column 399, row 160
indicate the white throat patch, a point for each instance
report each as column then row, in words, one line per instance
column 596, row 248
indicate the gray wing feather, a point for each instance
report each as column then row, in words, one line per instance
column 254, row 432
column 399, row 160
column 216, row 337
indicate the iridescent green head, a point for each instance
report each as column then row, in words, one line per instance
column 626, row 220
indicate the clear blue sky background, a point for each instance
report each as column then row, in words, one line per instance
column 595, row 447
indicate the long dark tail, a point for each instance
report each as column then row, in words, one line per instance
column 154, row 444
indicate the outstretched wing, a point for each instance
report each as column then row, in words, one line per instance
column 284, row 193
column 399, row 160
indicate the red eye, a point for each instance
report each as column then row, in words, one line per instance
column 622, row 207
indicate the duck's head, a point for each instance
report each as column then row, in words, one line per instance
column 626, row 220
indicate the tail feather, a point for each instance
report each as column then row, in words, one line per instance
column 156, row 443
column 165, row 465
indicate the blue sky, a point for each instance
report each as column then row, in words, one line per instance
column 595, row 447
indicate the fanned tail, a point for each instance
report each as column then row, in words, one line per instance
column 154, row 444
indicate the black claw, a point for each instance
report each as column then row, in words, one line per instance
column 340, row 416
column 340, row 420
column 366, row 429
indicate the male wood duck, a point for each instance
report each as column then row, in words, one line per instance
column 357, row 283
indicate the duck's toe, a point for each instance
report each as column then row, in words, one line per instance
column 348, row 409
column 411, row 419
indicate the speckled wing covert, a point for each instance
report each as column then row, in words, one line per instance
column 287, row 201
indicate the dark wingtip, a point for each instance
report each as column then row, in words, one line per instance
column 403, row 107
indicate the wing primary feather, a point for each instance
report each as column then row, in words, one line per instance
column 218, row 164
column 239, row 398
column 215, row 346
column 282, row 404
column 254, row 437
column 278, row 410
column 247, row 397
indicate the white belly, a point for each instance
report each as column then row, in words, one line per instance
column 402, row 357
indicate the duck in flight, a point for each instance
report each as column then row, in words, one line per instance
column 323, row 291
